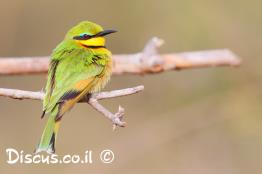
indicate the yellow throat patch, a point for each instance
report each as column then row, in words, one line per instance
column 96, row 41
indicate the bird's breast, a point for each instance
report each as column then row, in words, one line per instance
column 104, row 77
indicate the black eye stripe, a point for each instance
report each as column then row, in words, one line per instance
column 82, row 37
column 99, row 34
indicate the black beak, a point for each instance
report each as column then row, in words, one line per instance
column 105, row 32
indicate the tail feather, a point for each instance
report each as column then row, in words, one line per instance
column 50, row 148
column 49, row 135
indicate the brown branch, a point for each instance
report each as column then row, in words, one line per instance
column 92, row 100
column 147, row 61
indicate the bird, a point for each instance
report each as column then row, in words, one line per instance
column 80, row 65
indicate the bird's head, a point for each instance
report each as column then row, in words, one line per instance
column 88, row 34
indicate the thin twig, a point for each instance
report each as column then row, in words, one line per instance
column 145, row 62
column 116, row 118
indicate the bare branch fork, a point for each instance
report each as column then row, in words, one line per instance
column 146, row 62
column 117, row 118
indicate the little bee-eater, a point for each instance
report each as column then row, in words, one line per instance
column 80, row 65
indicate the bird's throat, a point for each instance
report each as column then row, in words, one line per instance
column 97, row 42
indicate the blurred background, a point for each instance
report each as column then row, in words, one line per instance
column 197, row 121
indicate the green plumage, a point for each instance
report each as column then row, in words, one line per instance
column 75, row 70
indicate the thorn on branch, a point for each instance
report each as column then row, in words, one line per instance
column 119, row 117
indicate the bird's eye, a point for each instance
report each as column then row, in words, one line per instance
column 84, row 36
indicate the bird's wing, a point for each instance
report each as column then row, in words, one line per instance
column 50, row 83
column 69, row 79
